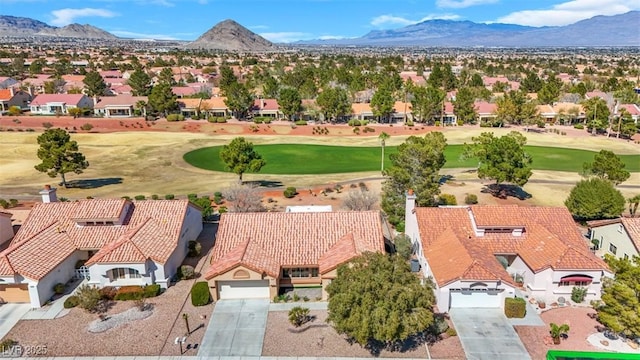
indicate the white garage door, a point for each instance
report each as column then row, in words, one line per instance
column 478, row 299
column 250, row 289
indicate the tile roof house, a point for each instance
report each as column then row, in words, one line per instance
column 632, row 109
column 478, row 255
column 52, row 104
column 267, row 107
column 617, row 237
column 257, row 254
column 486, row 111
column 109, row 242
column 120, row 106
column 215, row 106
column 11, row 97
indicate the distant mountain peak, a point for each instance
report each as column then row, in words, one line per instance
column 21, row 26
column 85, row 31
column 231, row 36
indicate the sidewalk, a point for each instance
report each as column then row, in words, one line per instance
column 54, row 310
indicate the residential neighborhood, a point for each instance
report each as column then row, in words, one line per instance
column 255, row 193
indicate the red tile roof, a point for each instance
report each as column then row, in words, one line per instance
column 50, row 234
column 454, row 251
column 266, row 241
column 632, row 225
column 5, row 94
column 119, row 100
column 44, row 99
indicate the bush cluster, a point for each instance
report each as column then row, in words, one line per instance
column 71, row 302
column 8, row 204
column 471, row 199
column 200, row 295
column 58, row 288
column 300, row 122
column 290, row 192
column 578, row 293
column 86, row 127
column 262, row 120
column 175, row 117
column 136, row 292
column 356, row 122
column 186, row 272
column 194, row 248
column 447, row 199
column 320, row 130
column 578, row 126
column 217, row 119
column 368, row 129
column 515, row 307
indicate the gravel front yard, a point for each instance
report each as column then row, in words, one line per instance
column 153, row 336
column 319, row 339
column 537, row 340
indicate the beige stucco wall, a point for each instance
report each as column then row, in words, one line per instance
column 614, row 234
column 229, row 275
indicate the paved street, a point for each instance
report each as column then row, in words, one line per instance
column 236, row 328
column 486, row 334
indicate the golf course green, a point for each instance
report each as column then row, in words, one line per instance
column 297, row 159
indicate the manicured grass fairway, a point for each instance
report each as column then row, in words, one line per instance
column 320, row 159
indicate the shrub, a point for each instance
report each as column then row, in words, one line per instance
column 354, row 122
column 578, row 293
column 447, row 199
column 437, row 123
column 86, row 127
column 471, row 199
column 71, row 302
column 221, row 120
column 140, row 197
column 47, row 125
column 409, row 123
column 296, row 297
column 451, row 331
column 290, row 192
column 175, row 117
column 129, row 293
column 459, row 122
column 194, row 248
column 356, row 131
column 169, row 197
column 108, row 293
column 298, row 316
column 578, row 126
column 155, row 197
column 439, row 325
column 301, row 122
column 13, row 202
column 4, row 203
column 152, row 290
column 14, row 111
column 217, row 198
column 58, row 288
column 186, row 272
column 200, row 295
column 88, row 297
column 222, row 210
column 515, row 307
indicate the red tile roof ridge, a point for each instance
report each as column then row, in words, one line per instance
column 16, row 245
column 343, row 250
column 566, row 260
column 603, row 222
column 632, row 226
column 113, row 245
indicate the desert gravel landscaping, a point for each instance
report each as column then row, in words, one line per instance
column 319, row 339
column 152, row 336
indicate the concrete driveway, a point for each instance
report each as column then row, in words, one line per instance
column 236, row 328
column 10, row 314
column 486, row 334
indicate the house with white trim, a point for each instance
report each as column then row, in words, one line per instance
column 53, row 104
column 619, row 237
column 478, row 255
column 109, row 242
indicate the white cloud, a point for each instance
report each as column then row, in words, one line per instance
column 136, row 35
column 67, row 16
column 286, row 37
column 460, row 4
column 569, row 12
column 397, row 20
column 334, row 37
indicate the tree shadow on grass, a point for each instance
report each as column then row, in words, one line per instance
column 503, row 191
column 93, row 183
column 264, row 183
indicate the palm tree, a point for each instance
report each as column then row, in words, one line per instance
column 633, row 205
column 142, row 106
column 383, row 137
column 557, row 331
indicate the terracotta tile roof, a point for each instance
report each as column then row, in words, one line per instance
column 484, row 108
column 604, row 222
column 97, row 210
column 265, row 104
column 361, row 108
column 402, row 107
column 292, row 239
column 183, row 90
column 632, row 225
column 5, row 94
column 214, row 103
column 347, row 248
column 633, row 109
column 190, row 103
column 454, row 251
column 151, row 230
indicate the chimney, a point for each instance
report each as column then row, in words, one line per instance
column 410, row 220
column 48, row 194
column 11, row 91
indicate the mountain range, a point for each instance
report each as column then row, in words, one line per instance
column 617, row 30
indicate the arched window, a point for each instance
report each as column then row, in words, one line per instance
column 575, row 280
column 241, row 274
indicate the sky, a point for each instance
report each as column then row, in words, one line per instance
column 292, row 20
